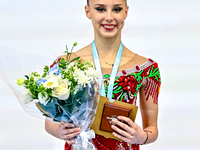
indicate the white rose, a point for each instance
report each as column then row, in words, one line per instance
column 63, row 81
column 28, row 97
column 43, row 99
column 62, row 92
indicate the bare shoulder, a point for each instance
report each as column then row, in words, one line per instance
column 85, row 53
column 138, row 59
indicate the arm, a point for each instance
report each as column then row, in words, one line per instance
column 53, row 128
column 149, row 112
column 63, row 131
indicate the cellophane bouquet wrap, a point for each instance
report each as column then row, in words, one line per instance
column 66, row 91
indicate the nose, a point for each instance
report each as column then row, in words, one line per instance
column 109, row 16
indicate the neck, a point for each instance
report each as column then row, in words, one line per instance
column 107, row 46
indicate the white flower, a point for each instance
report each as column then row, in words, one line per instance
column 43, row 99
column 51, row 82
column 91, row 72
column 77, row 88
column 78, row 72
column 62, row 92
column 83, row 80
column 28, row 97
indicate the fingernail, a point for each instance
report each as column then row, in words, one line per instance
column 113, row 120
column 78, row 129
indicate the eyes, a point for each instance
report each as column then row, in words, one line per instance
column 102, row 9
column 117, row 9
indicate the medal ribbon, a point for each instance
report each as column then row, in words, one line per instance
column 114, row 70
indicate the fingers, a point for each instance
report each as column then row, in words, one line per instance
column 70, row 142
column 121, row 137
column 129, row 131
column 67, row 132
column 126, row 132
column 121, row 134
column 127, row 120
column 128, row 128
column 67, row 125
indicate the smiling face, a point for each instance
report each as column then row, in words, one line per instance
column 107, row 16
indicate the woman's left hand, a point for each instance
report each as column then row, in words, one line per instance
column 131, row 134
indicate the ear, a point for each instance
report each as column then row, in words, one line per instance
column 126, row 11
column 87, row 11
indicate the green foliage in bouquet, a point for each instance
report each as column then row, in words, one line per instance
column 64, row 78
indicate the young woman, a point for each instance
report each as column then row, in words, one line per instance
column 136, row 74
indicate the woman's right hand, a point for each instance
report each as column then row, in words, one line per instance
column 68, row 132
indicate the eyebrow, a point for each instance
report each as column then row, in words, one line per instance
column 102, row 5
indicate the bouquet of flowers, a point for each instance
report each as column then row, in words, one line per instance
column 67, row 91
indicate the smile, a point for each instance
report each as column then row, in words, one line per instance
column 109, row 27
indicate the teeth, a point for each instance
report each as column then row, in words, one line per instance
column 109, row 27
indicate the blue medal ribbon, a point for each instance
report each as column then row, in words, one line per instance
column 114, row 70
